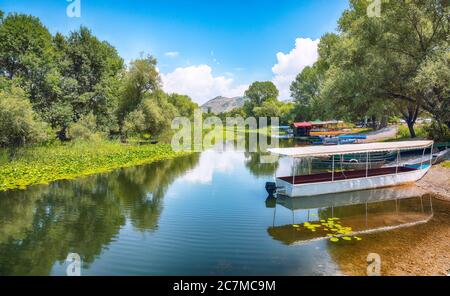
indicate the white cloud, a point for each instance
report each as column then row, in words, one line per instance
column 200, row 84
column 290, row 64
column 172, row 54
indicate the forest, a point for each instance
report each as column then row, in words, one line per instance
column 77, row 87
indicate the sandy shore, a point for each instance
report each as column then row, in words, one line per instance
column 418, row 250
column 437, row 182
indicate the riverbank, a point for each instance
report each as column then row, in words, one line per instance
column 420, row 249
column 41, row 165
column 437, row 181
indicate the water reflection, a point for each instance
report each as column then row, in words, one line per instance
column 367, row 211
column 41, row 225
column 211, row 162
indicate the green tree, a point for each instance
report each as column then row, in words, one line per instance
column 141, row 79
column 259, row 92
column 184, row 104
column 384, row 58
column 89, row 60
column 306, row 89
column 25, row 48
column 92, row 69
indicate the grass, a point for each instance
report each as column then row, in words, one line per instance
column 41, row 165
column 446, row 164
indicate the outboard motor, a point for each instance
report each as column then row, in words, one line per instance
column 271, row 188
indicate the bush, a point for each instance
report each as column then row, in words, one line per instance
column 134, row 123
column 438, row 132
column 403, row 131
column 19, row 124
column 85, row 129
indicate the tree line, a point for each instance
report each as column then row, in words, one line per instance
column 76, row 86
column 393, row 66
column 397, row 64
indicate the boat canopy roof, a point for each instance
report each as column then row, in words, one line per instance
column 311, row 151
column 302, row 124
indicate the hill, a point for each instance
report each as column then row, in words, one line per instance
column 223, row 104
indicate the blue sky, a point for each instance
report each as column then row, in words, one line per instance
column 218, row 47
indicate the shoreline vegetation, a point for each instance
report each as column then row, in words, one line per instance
column 45, row 164
column 36, row 165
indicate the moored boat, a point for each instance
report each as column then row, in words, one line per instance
column 351, row 180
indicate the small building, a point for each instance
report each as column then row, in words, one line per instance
column 302, row 129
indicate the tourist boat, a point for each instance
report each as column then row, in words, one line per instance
column 349, row 180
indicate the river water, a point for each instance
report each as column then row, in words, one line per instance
column 202, row 214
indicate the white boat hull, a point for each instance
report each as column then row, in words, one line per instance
column 311, row 189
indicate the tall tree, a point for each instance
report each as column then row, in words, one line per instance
column 394, row 51
column 95, row 67
column 306, row 89
column 25, row 45
column 26, row 50
column 142, row 78
column 259, row 92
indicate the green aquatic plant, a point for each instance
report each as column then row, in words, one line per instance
column 333, row 228
column 41, row 165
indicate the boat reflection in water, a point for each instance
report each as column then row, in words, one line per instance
column 365, row 212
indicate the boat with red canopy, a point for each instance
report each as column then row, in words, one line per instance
column 351, row 180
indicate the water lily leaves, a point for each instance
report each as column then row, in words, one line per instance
column 334, row 239
column 347, row 238
column 41, row 165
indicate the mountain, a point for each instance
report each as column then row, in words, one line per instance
column 223, row 104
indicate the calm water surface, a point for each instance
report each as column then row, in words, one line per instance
column 203, row 214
